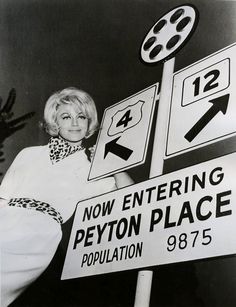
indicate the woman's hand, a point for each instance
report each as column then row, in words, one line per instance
column 123, row 180
column 92, row 152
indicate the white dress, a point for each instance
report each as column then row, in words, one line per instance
column 29, row 238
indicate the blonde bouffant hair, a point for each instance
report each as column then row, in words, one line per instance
column 70, row 95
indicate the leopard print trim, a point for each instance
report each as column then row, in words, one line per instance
column 30, row 203
column 60, row 149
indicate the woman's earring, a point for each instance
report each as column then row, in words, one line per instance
column 87, row 134
column 57, row 129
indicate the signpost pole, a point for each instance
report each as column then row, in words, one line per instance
column 159, row 143
column 144, row 281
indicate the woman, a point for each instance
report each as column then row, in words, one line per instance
column 42, row 187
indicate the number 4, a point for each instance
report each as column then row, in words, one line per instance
column 125, row 119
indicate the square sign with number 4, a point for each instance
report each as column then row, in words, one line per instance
column 123, row 138
column 203, row 105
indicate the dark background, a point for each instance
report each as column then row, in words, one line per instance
column 94, row 45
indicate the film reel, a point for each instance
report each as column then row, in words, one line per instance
column 169, row 34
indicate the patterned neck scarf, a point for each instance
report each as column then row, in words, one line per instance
column 60, row 149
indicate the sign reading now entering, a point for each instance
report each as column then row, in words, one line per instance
column 203, row 104
column 123, row 139
column 180, row 216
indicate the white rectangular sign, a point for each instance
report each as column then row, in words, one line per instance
column 203, row 104
column 185, row 215
column 123, row 138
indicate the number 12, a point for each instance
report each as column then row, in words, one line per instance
column 213, row 75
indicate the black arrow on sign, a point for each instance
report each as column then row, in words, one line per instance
column 117, row 149
column 219, row 104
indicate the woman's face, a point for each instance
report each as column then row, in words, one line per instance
column 72, row 123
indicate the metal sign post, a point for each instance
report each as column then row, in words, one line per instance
column 159, row 143
column 168, row 35
column 144, row 282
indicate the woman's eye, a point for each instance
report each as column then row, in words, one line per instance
column 82, row 117
column 66, row 117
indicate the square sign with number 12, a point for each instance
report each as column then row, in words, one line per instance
column 123, row 138
column 203, row 106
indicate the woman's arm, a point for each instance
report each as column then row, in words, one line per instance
column 123, row 179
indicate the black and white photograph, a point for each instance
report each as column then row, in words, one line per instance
column 117, row 153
